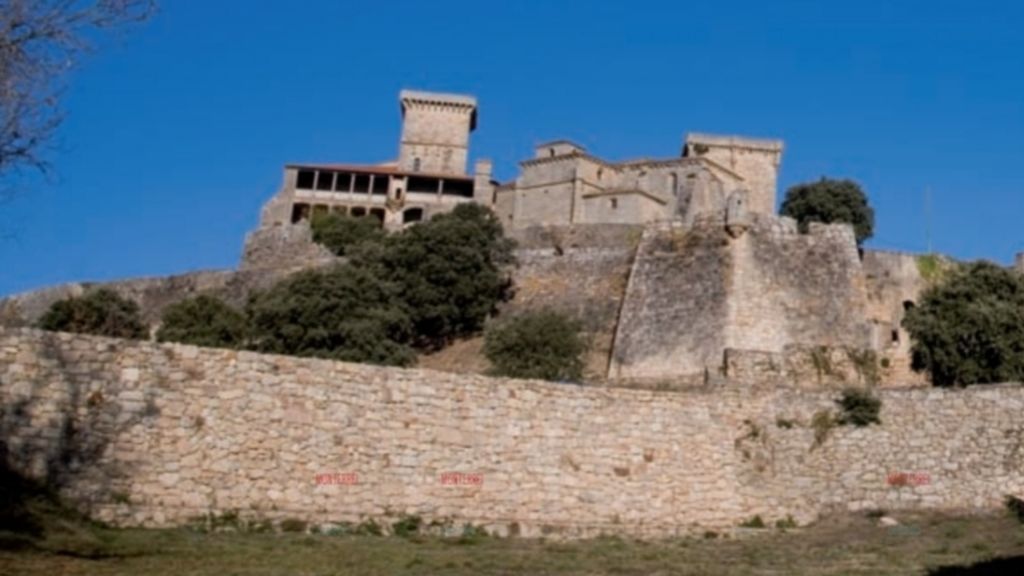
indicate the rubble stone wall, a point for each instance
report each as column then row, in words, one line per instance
column 138, row 433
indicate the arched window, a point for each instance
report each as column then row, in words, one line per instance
column 378, row 213
column 398, row 193
column 300, row 212
column 416, row 164
column 615, row 203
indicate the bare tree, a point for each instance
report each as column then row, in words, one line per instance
column 40, row 40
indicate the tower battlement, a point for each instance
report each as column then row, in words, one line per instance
column 435, row 131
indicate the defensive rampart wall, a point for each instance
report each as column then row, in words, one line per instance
column 139, row 433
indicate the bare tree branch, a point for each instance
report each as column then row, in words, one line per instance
column 40, row 40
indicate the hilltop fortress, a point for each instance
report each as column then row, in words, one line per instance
column 736, row 327
column 679, row 265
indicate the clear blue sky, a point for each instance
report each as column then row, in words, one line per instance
column 177, row 131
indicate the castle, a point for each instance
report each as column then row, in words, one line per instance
column 562, row 185
column 679, row 268
column 712, row 279
column 687, row 284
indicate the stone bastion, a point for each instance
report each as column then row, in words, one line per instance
column 143, row 434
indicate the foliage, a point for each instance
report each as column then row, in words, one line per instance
column 345, row 313
column 203, row 321
column 1016, row 507
column 407, row 526
column 822, row 422
column 755, row 522
column 449, row 271
column 866, row 363
column 969, row 329
column 935, row 268
column 859, row 408
column 829, row 201
column 542, row 344
column 340, row 232
column 102, row 312
column 786, row 523
column 40, row 40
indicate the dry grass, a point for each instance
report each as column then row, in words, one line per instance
column 840, row 545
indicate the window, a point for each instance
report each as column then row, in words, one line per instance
column 615, row 203
column 378, row 213
column 343, row 182
column 895, row 336
column 358, row 211
column 551, row 152
column 416, row 164
column 600, row 172
column 305, row 180
column 380, row 184
column 412, row 215
column 362, row 183
column 463, row 188
column 422, row 185
column 299, row 212
column 325, row 181
column 398, row 193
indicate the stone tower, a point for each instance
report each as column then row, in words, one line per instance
column 435, row 132
column 755, row 161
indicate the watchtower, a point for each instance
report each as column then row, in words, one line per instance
column 435, row 132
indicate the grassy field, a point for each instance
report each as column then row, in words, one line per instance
column 840, row 545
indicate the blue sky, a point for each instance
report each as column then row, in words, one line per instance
column 177, row 131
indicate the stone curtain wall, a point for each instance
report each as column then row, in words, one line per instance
column 141, row 433
column 675, row 312
column 697, row 291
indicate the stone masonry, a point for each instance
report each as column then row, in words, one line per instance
column 138, row 433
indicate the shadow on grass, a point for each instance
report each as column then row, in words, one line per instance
column 996, row 567
column 32, row 517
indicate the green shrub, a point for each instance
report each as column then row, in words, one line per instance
column 344, row 313
column 203, row 321
column 858, row 407
column 1016, row 507
column 472, row 534
column 102, row 312
column 969, row 328
column 785, row 523
column 449, row 272
column 755, row 522
column 339, row 233
column 544, row 345
column 407, row 526
column 829, row 201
